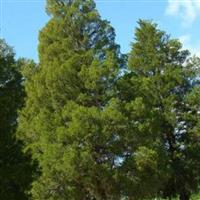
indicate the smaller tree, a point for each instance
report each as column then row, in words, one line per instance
column 15, row 166
column 162, row 108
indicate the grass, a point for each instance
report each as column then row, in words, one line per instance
column 193, row 197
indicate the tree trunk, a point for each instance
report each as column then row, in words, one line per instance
column 184, row 196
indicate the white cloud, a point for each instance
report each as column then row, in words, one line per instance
column 185, row 39
column 187, row 44
column 187, row 10
column 173, row 7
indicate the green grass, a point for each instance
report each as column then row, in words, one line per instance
column 193, row 197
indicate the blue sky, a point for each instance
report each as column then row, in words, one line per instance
column 21, row 20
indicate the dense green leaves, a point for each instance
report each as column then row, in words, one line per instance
column 99, row 131
column 162, row 80
column 15, row 167
column 72, row 118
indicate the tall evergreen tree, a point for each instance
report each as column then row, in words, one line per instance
column 162, row 107
column 15, row 166
column 72, row 120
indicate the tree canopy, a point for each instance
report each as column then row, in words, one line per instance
column 163, row 80
column 15, row 166
column 99, row 125
column 71, row 120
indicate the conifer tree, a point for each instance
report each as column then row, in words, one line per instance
column 163, row 110
column 72, row 120
column 15, row 166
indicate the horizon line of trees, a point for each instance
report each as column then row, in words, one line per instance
column 90, row 123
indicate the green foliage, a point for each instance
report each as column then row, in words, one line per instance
column 164, row 105
column 72, row 120
column 15, row 166
column 98, row 132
